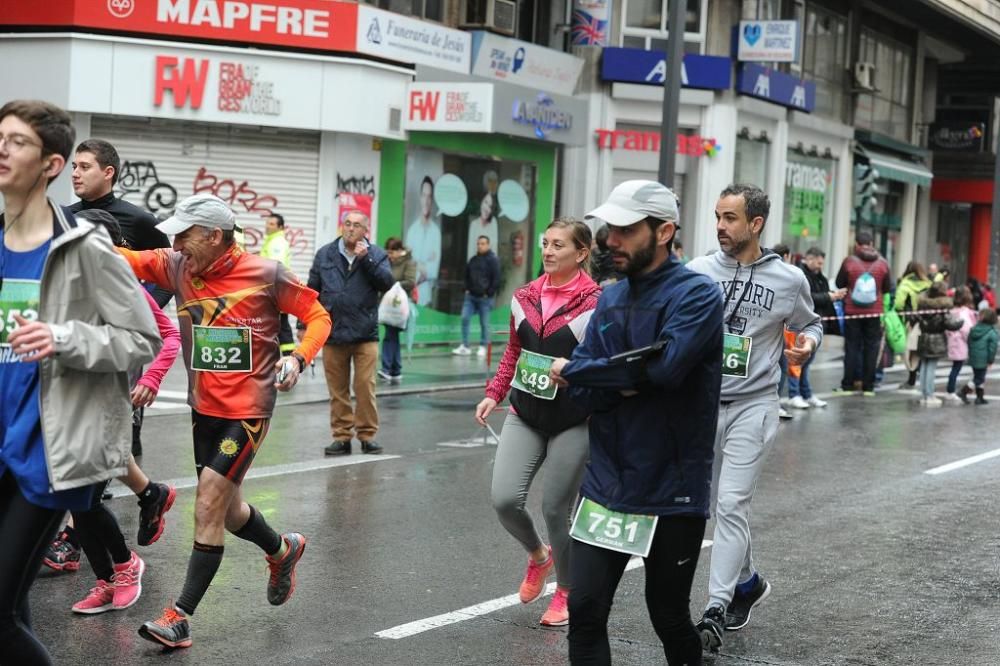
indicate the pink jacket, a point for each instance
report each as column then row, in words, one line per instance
column 958, row 341
column 171, row 345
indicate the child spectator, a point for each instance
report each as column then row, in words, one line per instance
column 933, row 344
column 983, row 340
column 958, row 341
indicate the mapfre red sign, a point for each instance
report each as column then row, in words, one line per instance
column 310, row 24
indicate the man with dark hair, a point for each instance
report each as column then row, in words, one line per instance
column 866, row 276
column 763, row 296
column 96, row 168
column 276, row 247
column 423, row 237
column 482, row 282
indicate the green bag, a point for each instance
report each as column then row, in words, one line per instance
column 895, row 329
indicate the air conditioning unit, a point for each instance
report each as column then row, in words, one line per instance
column 494, row 15
column 864, row 75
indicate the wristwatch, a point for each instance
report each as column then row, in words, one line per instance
column 301, row 359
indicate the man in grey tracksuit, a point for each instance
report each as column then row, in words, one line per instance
column 763, row 295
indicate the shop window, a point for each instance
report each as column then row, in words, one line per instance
column 432, row 10
column 751, row 161
column 644, row 25
column 824, row 52
column 886, row 110
column 451, row 200
column 809, row 201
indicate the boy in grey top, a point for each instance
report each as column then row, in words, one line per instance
column 763, row 295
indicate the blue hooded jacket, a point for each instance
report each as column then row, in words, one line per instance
column 651, row 452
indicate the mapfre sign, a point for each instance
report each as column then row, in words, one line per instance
column 312, row 24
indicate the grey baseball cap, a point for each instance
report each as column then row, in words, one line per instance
column 635, row 200
column 202, row 210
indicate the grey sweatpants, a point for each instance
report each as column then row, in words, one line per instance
column 747, row 428
column 520, row 455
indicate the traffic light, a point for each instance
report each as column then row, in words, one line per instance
column 865, row 188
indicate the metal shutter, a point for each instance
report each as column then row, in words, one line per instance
column 256, row 170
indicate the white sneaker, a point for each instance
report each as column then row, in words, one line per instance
column 932, row 401
column 952, row 398
column 816, row 402
column 461, row 350
column 783, row 413
column 798, row 402
column 783, row 402
column 481, row 351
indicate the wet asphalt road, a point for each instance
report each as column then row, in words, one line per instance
column 873, row 561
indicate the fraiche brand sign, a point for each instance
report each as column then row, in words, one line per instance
column 240, row 86
column 442, row 107
column 310, row 24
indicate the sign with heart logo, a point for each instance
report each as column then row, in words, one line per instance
column 767, row 41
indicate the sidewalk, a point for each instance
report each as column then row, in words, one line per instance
column 433, row 369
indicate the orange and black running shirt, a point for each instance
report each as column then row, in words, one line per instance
column 229, row 321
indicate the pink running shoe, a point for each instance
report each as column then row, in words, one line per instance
column 533, row 585
column 100, row 599
column 558, row 613
column 128, row 582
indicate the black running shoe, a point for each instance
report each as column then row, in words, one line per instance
column 281, row 582
column 171, row 629
column 62, row 555
column 738, row 613
column 712, row 625
column 151, row 520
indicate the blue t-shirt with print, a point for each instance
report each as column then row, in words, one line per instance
column 22, row 450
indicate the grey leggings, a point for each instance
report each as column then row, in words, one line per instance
column 521, row 452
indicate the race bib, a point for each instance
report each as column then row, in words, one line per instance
column 735, row 355
column 17, row 297
column 604, row 528
column 532, row 375
column 221, row 349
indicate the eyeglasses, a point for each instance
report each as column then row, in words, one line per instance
column 15, row 143
column 354, row 225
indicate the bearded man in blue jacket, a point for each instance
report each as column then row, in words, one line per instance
column 649, row 371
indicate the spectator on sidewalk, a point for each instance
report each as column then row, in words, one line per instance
column 276, row 247
column 792, row 382
column 404, row 271
column 349, row 275
column 823, row 300
column 934, row 322
column 482, row 282
column 866, row 276
column 958, row 341
column 915, row 281
column 982, row 352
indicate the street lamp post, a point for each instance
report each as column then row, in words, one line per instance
column 672, row 91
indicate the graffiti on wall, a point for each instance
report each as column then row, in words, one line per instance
column 140, row 178
column 233, row 194
column 356, row 185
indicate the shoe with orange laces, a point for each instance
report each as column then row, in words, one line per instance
column 558, row 613
column 171, row 629
column 281, row 582
column 533, row 584
column 99, row 600
column 128, row 582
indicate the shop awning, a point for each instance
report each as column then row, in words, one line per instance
column 894, row 168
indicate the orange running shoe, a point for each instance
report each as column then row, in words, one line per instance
column 172, row 629
column 533, row 585
column 558, row 613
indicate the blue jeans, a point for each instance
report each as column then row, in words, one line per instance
column 956, row 367
column 928, row 366
column 483, row 305
column 801, row 386
column 392, row 361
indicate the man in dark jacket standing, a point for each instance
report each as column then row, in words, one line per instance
column 349, row 275
column 649, row 371
column 866, row 276
column 482, row 281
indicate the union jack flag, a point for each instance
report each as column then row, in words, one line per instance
column 587, row 30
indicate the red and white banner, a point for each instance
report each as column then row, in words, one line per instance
column 326, row 25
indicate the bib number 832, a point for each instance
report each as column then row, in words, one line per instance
column 220, row 355
column 536, row 380
column 612, row 527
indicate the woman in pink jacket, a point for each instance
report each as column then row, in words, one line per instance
column 958, row 341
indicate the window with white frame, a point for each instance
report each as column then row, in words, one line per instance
column 644, row 25
column 887, row 108
column 823, row 56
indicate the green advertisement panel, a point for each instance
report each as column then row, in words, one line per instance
column 809, row 204
column 440, row 194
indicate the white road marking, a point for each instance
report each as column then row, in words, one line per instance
column 964, row 462
column 273, row 470
column 485, row 608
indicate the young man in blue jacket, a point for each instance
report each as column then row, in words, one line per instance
column 763, row 295
column 648, row 371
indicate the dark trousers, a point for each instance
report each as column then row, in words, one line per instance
column 595, row 574
column 978, row 377
column 392, row 360
column 26, row 530
column 861, row 343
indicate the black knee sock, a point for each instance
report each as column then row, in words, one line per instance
column 259, row 532
column 204, row 562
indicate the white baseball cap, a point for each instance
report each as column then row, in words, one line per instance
column 635, row 200
column 202, row 210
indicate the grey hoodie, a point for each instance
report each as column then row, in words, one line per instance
column 760, row 301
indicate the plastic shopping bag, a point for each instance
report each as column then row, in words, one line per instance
column 394, row 310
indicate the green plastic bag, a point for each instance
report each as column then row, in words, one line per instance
column 895, row 329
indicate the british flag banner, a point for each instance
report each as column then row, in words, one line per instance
column 589, row 23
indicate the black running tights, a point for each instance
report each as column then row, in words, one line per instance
column 101, row 539
column 670, row 567
column 26, row 531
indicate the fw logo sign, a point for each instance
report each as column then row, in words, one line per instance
column 183, row 81
column 424, row 105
